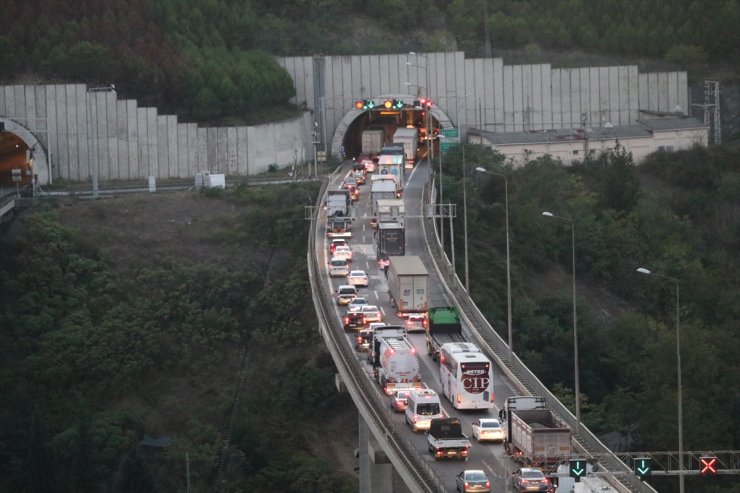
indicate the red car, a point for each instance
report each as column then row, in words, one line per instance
column 400, row 400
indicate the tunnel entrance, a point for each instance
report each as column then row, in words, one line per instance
column 348, row 134
column 23, row 160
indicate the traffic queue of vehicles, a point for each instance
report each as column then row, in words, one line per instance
column 466, row 374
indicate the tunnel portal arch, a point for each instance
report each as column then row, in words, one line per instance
column 40, row 160
column 344, row 125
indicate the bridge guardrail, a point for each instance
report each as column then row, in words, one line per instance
column 377, row 414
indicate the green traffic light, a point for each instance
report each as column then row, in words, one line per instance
column 643, row 467
column 577, row 469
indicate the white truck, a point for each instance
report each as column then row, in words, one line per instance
column 382, row 189
column 407, row 285
column 338, row 203
column 372, row 140
column 409, row 137
column 392, row 164
column 534, row 435
column 446, row 439
column 385, row 210
column 394, row 359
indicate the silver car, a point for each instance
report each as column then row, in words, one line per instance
column 490, row 429
column 356, row 304
column 358, row 278
column 338, row 267
column 371, row 313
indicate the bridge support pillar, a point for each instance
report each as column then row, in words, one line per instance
column 376, row 471
column 341, row 387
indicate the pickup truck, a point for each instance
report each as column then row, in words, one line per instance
column 446, row 439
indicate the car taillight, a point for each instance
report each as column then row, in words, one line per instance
column 488, row 484
column 346, row 320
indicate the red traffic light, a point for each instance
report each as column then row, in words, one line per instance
column 708, row 466
column 359, row 105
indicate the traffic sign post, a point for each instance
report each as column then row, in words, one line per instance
column 642, row 467
column 577, row 469
column 449, row 138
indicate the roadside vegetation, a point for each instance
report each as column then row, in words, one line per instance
column 678, row 215
column 185, row 317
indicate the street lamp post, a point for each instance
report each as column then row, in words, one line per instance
column 94, row 170
column 575, row 323
column 429, row 136
column 508, row 255
column 679, row 404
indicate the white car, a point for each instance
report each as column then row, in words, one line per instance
column 338, row 267
column 356, row 304
column 416, row 322
column 373, row 325
column 343, row 251
column 371, row 313
column 358, row 278
column 488, row 429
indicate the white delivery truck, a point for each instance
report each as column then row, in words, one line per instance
column 409, row 137
column 393, row 165
column 385, row 210
column 382, row 189
column 372, row 141
column 407, row 285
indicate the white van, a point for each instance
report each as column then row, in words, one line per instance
column 338, row 267
column 423, row 407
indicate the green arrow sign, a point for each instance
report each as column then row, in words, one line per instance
column 453, row 133
column 643, row 466
column 577, row 469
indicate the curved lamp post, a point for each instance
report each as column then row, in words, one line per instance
column 508, row 256
column 575, row 323
column 681, row 485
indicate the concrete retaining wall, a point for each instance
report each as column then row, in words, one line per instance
column 128, row 142
column 82, row 129
column 483, row 92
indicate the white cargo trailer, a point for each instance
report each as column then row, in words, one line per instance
column 407, row 285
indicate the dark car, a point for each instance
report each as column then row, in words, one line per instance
column 352, row 320
column 531, row 479
column 363, row 339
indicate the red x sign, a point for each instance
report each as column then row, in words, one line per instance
column 708, row 466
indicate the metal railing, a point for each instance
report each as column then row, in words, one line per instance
column 417, row 473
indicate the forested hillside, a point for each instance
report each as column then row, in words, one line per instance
column 207, row 60
column 183, row 317
column 677, row 215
